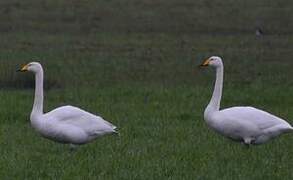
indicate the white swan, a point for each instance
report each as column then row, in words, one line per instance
column 245, row 124
column 66, row 124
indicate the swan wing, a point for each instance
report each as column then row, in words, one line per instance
column 255, row 117
column 74, row 116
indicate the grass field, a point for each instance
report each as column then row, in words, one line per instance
column 135, row 64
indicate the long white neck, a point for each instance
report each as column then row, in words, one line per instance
column 214, row 104
column 39, row 97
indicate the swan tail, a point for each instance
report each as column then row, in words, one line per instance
column 115, row 130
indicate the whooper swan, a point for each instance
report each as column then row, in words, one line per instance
column 244, row 124
column 65, row 124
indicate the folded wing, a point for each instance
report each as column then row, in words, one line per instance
column 88, row 122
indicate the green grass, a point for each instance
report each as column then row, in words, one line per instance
column 135, row 64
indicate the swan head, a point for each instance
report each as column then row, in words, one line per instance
column 32, row 67
column 214, row 61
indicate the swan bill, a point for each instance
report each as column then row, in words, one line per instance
column 205, row 63
column 24, row 68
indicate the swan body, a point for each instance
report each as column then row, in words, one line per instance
column 65, row 124
column 245, row 124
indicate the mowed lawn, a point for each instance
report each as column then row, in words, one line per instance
column 135, row 63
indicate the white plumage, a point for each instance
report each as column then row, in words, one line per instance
column 66, row 124
column 244, row 124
